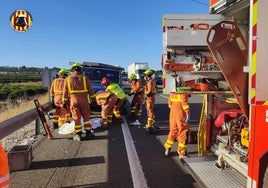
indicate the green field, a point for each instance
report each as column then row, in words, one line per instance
column 20, row 77
column 16, row 85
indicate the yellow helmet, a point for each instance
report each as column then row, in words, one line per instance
column 132, row 76
column 76, row 66
column 149, row 72
column 63, row 72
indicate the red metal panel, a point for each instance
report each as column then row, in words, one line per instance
column 212, row 2
column 258, row 140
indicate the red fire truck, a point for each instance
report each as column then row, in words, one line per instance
column 222, row 57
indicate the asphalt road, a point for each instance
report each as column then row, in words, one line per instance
column 121, row 156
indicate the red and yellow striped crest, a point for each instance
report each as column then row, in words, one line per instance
column 21, row 20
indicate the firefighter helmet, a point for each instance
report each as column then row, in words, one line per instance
column 105, row 81
column 63, row 72
column 149, row 72
column 132, row 76
column 76, row 66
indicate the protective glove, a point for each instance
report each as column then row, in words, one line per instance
column 53, row 103
column 187, row 118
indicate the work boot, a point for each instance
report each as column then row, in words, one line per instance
column 104, row 125
column 120, row 120
column 89, row 135
column 117, row 121
column 152, row 129
column 149, row 129
column 183, row 156
column 132, row 116
column 146, row 127
column 167, row 152
column 77, row 137
column 156, row 128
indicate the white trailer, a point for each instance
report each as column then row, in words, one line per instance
column 137, row 68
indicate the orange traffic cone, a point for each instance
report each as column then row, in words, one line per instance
column 4, row 169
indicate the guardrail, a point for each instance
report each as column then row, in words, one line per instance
column 13, row 124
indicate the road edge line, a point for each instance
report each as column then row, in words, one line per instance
column 138, row 178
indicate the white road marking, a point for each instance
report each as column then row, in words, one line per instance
column 164, row 96
column 137, row 173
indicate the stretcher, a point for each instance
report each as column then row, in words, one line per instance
column 229, row 48
column 42, row 115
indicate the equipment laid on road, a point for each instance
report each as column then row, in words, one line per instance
column 68, row 128
column 43, row 117
column 233, row 121
column 136, row 123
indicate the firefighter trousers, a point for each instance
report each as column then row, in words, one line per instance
column 178, row 131
column 80, row 108
column 150, row 104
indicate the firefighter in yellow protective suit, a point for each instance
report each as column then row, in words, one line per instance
column 120, row 94
column 4, row 169
column 150, row 92
column 137, row 90
column 106, row 100
column 77, row 92
column 178, row 123
column 61, row 115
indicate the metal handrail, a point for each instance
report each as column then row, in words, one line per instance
column 11, row 125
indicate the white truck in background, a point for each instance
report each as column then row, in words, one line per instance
column 137, row 68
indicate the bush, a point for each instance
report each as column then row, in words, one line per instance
column 14, row 92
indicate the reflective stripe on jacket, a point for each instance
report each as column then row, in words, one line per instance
column 136, row 87
column 71, row 90
column 179, row 98
column 77, row 85
column 150, row 87
column 57, row 87
column 115, row 89
column 102, row 95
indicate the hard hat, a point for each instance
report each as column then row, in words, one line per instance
column 185, row 88
column 149, row 72
column 76, row 66
column 63, row 72
column 132, row 76
column 105, row 81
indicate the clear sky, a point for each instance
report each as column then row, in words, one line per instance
column 116, row 32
